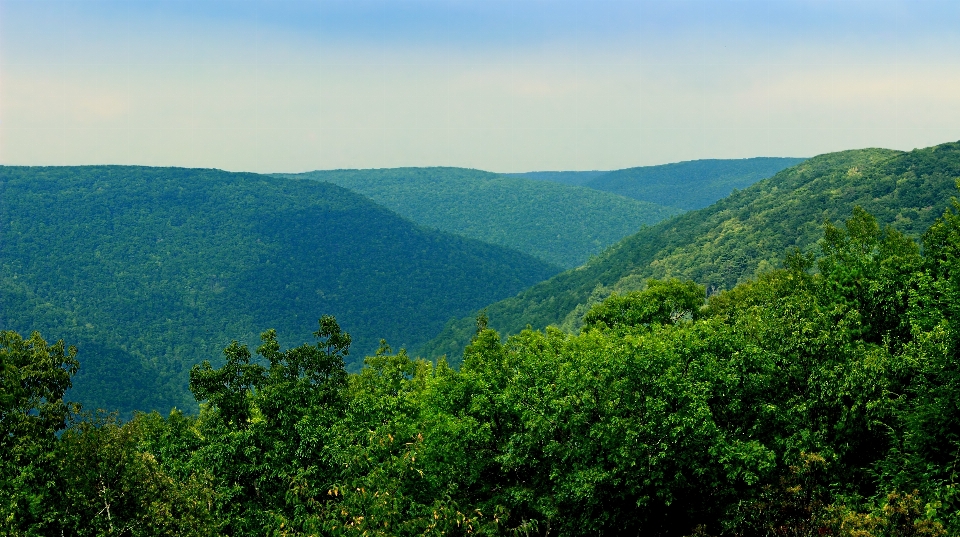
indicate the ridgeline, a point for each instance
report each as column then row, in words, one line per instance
column 151, row 270
column 737, row 237
column 560, row 224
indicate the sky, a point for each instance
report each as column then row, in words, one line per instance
column 499, row 85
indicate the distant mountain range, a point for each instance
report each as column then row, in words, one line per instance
column 560, row 224
column 564, row 178
column 561, row 217
column 151, row 270
column 733, row 239
column 689, row 185
column 686, row 185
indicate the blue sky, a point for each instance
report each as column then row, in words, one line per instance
column 516, row 85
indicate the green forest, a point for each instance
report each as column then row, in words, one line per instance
column 560, row 224
column 151, row 270
column 690, row 185
column 820, row 398
column 737, row 237
column 563, row 218
column 564, row 178
column 780, row 363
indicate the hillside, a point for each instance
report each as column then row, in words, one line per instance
column 689, row 185
column 564, row 178
column 150, row 270
column 822, row 398
column 738, row 236
column 562, row 225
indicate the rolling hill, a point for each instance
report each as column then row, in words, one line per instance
column 560, row 224
column 564, row 178
column 150, row 270
column 689, row 185
column 738, row 236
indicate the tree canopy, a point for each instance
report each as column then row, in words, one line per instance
column 736, row 238
column 820, row 398
column 689, row 185
column 561, row 224
column 150, row 270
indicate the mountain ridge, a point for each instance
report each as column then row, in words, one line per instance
column 691, row 184
column 731, row 240
column 162, row 267
column 560, row 224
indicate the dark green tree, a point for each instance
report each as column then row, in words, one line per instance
column 270, row 428
column 110, row 485
column 33, row 379
column 871, row 272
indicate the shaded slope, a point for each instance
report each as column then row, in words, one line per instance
column 729, row 241
column 167, row 265
column 690, row 185
column 563, row 225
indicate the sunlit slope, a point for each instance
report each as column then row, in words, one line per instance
column 690, row 185
column 729, row 241
column 561, row 224
column 150, row 270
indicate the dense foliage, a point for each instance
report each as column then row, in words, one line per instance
column 689, row 185
column 822, row 398
column 737, row 237
column 562, row 225
column 564, row 178
column 149, row 270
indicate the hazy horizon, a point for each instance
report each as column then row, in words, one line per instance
column 505, row 86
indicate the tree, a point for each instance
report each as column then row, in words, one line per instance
column 871, row 272
column 269, row 428
column 33, row 379
column 110, row 485
column 662, row 302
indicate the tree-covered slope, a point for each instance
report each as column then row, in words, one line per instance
column 738, row 236
column 150, row 270
column 564, row 178
column 563, row 225
column 690, row 185
column 820, row 399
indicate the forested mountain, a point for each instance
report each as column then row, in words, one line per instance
column 151, row 270
column 563, row 225
column 689, row 185
column 564, row 178
column 820, row 399
column 738, row 236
